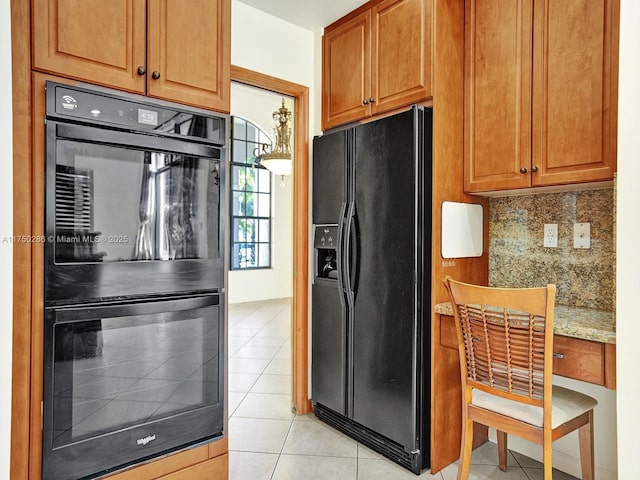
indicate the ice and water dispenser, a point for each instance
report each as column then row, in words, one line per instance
column 326, row 248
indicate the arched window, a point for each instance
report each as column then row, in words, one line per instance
column 250, row 198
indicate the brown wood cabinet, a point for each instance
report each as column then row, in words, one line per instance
column 540, row 93
column 207, row 462
column 177, row 50
column 376, row 59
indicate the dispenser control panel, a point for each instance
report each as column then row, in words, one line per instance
column 326, row 236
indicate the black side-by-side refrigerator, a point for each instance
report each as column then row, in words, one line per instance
column 372, row 284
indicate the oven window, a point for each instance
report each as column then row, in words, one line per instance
column 114, row 373
column 116, row 204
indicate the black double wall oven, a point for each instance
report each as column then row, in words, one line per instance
column 134, row 279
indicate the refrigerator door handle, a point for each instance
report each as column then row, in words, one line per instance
column 339, row 255
column 347, row 249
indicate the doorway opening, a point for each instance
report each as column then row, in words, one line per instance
column 300, row 210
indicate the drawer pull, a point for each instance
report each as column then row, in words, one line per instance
column 558, row 355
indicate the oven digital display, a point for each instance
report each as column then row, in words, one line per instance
column 147, row 117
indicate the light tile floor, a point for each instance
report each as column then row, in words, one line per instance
column 268, row 442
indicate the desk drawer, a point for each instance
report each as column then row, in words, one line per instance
column 579, row 359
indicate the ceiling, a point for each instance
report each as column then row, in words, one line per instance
column 310, row 14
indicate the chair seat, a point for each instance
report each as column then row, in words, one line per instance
column 567, row 405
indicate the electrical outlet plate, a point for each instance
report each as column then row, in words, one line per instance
column 581, row 235
column 551, row 235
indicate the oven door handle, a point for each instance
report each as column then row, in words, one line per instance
column 68, row 314
column 140, row 141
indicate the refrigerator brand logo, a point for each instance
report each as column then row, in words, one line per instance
column 69, row 103
column 145, row 440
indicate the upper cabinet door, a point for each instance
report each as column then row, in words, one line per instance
column 497, row 110
column 189, row 52
column 575, row 90
column 401, row 53
column 346, row 72
column 97, row 41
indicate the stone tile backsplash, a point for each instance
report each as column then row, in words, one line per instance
column 517, row 257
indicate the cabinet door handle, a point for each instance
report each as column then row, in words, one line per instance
column 155, row 75
column 372, row 100
column 523, row 169
column 534, row 169
column 365, row 102
column 142, row 70
column 558, row 355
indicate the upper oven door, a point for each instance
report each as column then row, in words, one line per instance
column 130, row 214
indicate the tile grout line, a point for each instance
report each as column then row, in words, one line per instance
column 282, row 448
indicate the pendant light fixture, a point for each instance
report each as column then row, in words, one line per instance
column 278, row 160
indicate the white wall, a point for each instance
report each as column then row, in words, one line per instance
column 269, row 45
column 628, row 257
column 257, row 106
column 6, row 228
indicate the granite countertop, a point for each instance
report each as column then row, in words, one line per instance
column 577, row 322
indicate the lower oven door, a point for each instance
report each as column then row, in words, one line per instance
column 127, row 382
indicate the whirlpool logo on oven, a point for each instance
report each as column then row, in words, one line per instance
column 145, row 440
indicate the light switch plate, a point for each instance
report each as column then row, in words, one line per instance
column 581, row 235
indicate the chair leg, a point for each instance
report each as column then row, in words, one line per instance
column 465, row 449
column 547, row 458
column 585, row 438
column 502, row 450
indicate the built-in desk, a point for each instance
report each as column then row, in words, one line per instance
column 584, row 344
column 574, row 322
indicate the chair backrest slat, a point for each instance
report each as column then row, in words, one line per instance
column 504, row 332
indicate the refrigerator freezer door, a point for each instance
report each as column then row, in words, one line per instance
column 329, row 164
column 384, row 347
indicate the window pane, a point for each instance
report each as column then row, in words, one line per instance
column 250, row 207
column 248, row 251
column 264, row 205
column 239, row 128
column 264, row 254
column 264, row 138
column 250, row 179
column 250, row 230
column 252, row 151
column 252, row 132
column 237, row 201
column 263, row 231
column 235, row 177
column 239, row 151
column 264, row 181
column 235, row 256
column 238, row 230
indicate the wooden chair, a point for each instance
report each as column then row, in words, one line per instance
column 505, row 339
